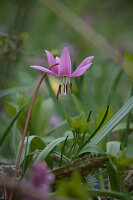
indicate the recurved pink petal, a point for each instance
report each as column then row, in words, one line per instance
column 43, row 69
column 65, row 64
column 85, row 62
column 80, row 71
column 51, row 62
column 50, row 58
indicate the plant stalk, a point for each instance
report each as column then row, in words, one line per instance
column 26, row 126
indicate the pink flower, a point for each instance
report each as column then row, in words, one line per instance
column 63, row 69
column 40, row 177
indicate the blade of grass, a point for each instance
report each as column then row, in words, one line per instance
column 11, row 91
column 58, row 154
column 105, row 193
column 116, row 181
column 50, row 147
column 111, row 124
column 101, row 123
column 25, row 154
column 83, row 137
column 63, row 151
column 4, row 135
column 128, row 124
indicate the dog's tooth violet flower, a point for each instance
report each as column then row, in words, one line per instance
column 63, row 68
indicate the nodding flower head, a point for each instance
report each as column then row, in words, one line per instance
column 62, row 68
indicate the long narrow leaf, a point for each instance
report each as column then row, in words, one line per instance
column 90, row 148
column 121, row 114
column 58, row 155
column 105, row 193
column 2, row 138
column 11, row 91
column 99, row 126
column 50, row 147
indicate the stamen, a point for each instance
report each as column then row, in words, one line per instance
column 59, row 91
column 71, row 89
column 66, row 89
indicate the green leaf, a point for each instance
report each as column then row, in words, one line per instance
column 70, row 122
column 113, row 177
column 23, row 169
column 11, row 91
column 58, row 154
column 120, row 160
column 50, row 147
column 78, row 124
column 11, row 108
column 34, row 142
column 127, row 162
column 40, row 115
column 115, row 120
column 72, row 188
column 25, row 163
column 28, row 158
column 22, row 99
column 98, row 128
column 101, row 115
column 128, row 64
column 105, row 193
column 90, row 148
column 4, row 135
column 116, row 182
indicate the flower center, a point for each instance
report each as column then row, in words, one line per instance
column 64, row 81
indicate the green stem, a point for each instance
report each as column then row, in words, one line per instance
column 70, row 150
column 25, row 155
column 63, row 151
column 74, row 148
column 83, row 137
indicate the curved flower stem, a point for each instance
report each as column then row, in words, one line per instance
column 26, row 126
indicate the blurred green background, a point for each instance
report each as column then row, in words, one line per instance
column 101, row 28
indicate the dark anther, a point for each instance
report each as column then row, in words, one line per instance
column 59, row 91
column 66, row 89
